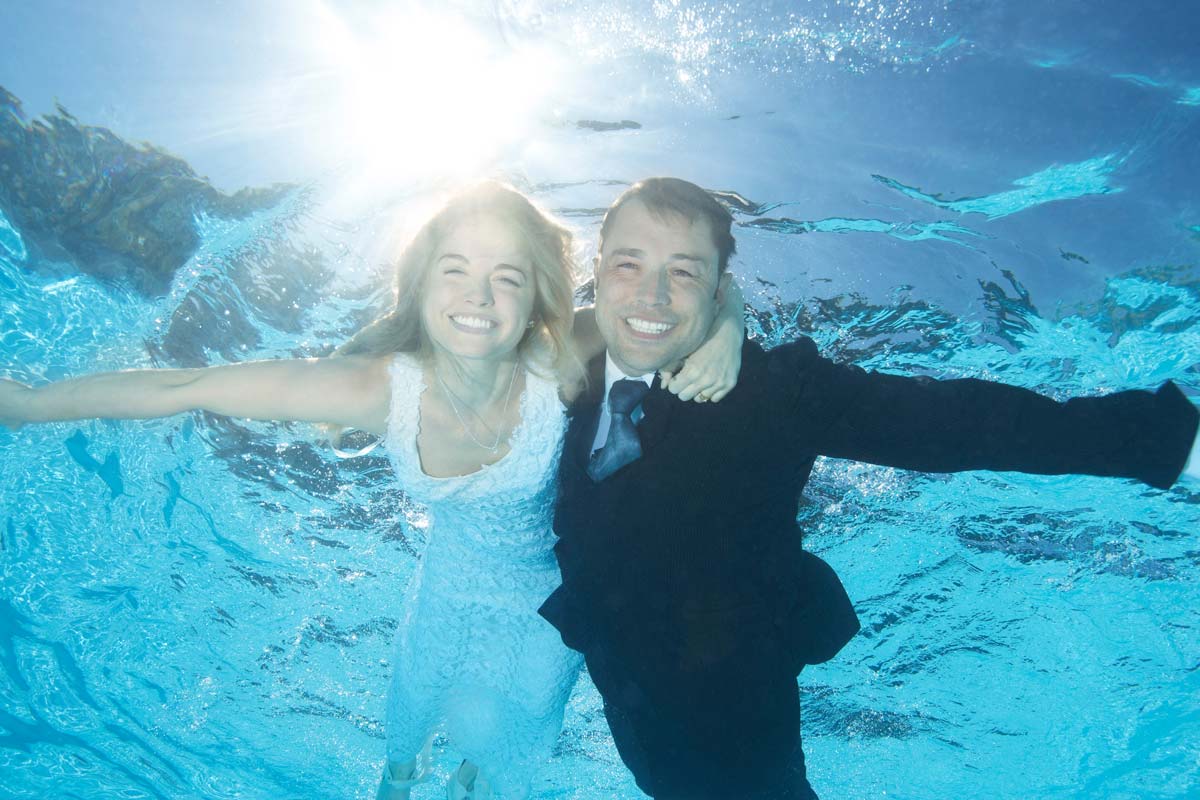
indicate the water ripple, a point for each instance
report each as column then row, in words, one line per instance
column 10, row 240
column 1057, row 182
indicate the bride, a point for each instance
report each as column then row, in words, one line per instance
column 464, row 380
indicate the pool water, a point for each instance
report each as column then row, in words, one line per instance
column 200, row 607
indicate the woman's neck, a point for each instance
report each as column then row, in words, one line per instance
column 477, row 382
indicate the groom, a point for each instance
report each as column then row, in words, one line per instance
column 684, row 583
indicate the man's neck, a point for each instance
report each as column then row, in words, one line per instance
column 613, row 373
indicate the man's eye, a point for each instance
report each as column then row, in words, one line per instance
column 625, row 265
column 453, row 271
column 682, row 273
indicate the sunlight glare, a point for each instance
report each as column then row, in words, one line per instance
column 420, row 94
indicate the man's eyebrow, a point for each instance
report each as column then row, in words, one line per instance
column 636, row 253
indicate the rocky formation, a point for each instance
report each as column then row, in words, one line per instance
column 120, row 212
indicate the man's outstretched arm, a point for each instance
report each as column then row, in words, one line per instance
column 957, row 425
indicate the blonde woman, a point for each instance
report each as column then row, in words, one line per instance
column 464, row 381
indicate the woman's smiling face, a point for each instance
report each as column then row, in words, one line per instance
column 480, row 291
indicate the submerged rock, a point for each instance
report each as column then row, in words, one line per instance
column 120, row 212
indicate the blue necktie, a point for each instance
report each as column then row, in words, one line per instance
column 622, row 445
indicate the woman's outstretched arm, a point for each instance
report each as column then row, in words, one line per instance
column 349, row 392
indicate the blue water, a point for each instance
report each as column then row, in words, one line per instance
column 201, row 607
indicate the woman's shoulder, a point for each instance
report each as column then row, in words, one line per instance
column 386, row 367
column 539, row 360
column 542, row 383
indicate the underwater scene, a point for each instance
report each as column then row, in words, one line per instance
column 201, row 606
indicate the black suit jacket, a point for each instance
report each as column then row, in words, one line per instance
column 690, row 558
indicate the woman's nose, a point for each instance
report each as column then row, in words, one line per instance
column 481, row 293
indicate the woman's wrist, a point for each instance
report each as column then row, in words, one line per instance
column 733, row 313
column 733, row 328
column 17, row 403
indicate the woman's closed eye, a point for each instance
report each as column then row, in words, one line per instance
column 509, row 277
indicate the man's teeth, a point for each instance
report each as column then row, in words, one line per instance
column 645, row 326
column 474, row 322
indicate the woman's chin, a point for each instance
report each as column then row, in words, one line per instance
column 480, row 351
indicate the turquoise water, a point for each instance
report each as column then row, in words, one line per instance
column 201, row 607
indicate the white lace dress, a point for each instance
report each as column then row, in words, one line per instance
column 473, row 659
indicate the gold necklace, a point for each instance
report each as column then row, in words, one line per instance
column 452, row 397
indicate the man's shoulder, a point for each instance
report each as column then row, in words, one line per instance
column 786, row 357
column 766, row 372
column 801, row 346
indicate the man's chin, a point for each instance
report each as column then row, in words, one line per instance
column 632, row 364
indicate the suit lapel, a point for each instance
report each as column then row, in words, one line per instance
column 659, row 408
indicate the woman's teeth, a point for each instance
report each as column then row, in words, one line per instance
column 478, row 323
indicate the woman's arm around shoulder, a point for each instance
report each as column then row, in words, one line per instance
column 712, row 370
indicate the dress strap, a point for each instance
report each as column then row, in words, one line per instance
column 404, row 376
column 407, row 384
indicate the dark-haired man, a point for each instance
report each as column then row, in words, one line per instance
column 684, row 582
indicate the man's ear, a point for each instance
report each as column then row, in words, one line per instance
column 723, row 286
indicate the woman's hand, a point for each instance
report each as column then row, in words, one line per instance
column 711, row 371
column 14, row 403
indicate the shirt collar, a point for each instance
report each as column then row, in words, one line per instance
column 613, row 373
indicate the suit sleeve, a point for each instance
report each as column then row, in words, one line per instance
column 947, row 426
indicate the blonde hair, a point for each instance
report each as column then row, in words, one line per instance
column 547, row 343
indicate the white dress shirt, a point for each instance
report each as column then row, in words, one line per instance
column 612, row 374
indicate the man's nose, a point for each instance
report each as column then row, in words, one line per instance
column 655, row 288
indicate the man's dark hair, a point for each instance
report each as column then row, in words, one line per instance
column 664, row 196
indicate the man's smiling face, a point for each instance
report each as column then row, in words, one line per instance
column 657, row 288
